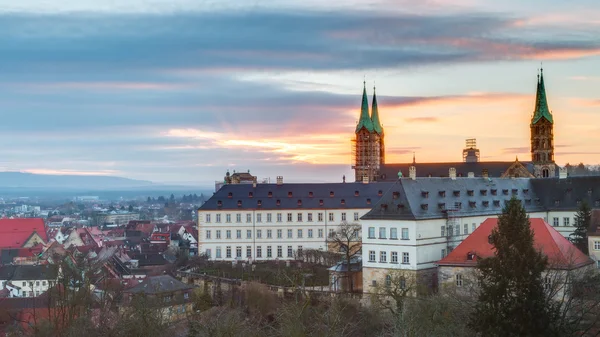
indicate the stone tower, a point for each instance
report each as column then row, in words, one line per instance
column 368, row 150
column 542, row 134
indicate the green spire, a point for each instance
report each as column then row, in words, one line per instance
column 365, row 120
column 375, row 115
column 541, row 104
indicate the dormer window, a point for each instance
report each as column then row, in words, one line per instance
column 470, row 256
column 525, row 191
column 424, row 206
column 289, row 194
column 457, row 205
column 456, row 193
column 259, row 203
column 239, row 203
column 483, row 192
column 250, row 194
column 400, row 206
column 538, row 201
column 343, row 202
column 299, row 202
column 472, row 204
column 490, row 239
column 470, row 193
column 396, row 195
column 219, row 203
column 494, row 191
column 496, row 203
column 424, row 194
column 278, row 202
column 569, row 190
column 597, row 203
column 442, row 194
column 356, row 194
column 515, row 191
column 229, row 195
column 505, row 191
column 331, row 194
column 380, row 193
column 527, row 201
column 383, row 207
column 310, row 194
column 556, row 202
column 441, row 206
column 590, row 191
column 368, row 201
column 270, row 194
column 485, row 203
column 321, row 202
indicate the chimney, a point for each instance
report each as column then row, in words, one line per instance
column 452, row 173
column 254, row 183
column 344, row 178
column 471, row 174
column 562, row 173
column 412, row 172
column 279, row 180
column 365, row 179
column 484, row 173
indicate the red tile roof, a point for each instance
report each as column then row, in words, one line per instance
column 15, row 232
column 561, row 253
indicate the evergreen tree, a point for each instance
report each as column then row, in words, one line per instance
column 583, row 219
column 512, row 300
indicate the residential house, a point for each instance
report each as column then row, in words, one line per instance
column 22, row 233
column 27, row 280
column 594, row 237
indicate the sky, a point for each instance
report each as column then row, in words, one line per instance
column 180, row 91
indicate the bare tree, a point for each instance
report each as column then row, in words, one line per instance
column 346, row 239
column 393, row 292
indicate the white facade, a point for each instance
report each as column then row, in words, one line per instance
column 25, row 288
column 268, row 234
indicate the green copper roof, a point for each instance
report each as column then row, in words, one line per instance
column 375, row 115
column 365, row 120
column 541, row 104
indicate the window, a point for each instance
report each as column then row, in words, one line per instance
column 331, row 217
column 238, row 234
column 278, row 217
column 443, row 230
column 259, row 234
column 258, row 252
column 299, row 233
column 320, row 233
column 289, row 217
column 310, row 233
column 208, row 234
column 555, row 222
column 269, row 252
column 459, row 280
column 371, row 256
column 320, row 217
column 248, row 217
column 269, row 234
column 227, row 218
column 343, row 216
column 228, row 234
column 218, row 218
column 598, row 264
column 299, row 217
column 258, row 217
column 299, row 250
column 238, row 218
column 388, row 281
column 238, row 252
column 290, row 251
column 207, row 252
column 473, row 227
column 394, row 257
column 218, row 233
column 228, row 252
column 596, row 245
column 218, row 252
column 443, row 253
column 289, row 234
column 279, row 251
column 382, row 232
column 404, row 233
column 382, row 256
column 457, row 230
column 248, row 251
column 269, row 217
column 371, row 232
column 248, row 234
column 355, row 216
column 331, row 231
column 466, row 229
column 405, row 258
column 279, row 233
column 309, row 217
column 394, row 233
column 207, row 217
column 566, row 221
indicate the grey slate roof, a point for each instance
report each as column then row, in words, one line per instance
column 345, row 195
column 159, row 284
column 28, row 272
column 430, row 198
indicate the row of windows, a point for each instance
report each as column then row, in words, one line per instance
column 455, row 230
column 566, row 221
column 383, row 257
column 310, row 233
column 393, row 233
column 278, row 217
column 259, row 252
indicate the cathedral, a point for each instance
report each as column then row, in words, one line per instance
column 368, row 150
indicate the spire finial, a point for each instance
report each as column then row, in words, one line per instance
column 414, row 159
column 517, row 158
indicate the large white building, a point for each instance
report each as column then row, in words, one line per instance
column 27, row 280
column 420, row 220
column 275, row 221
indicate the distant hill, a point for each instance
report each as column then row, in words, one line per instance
column 44, row 181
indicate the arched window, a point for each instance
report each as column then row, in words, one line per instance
column 545, row 173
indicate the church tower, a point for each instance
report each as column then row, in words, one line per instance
column 368, row 151
column 542, row 134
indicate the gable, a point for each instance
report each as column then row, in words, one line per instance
column 517, row 170
column 14, row 233
column 34, row 240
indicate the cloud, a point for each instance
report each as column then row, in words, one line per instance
column 512, row 150
column 421, row 119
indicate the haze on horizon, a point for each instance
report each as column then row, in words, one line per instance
column 182, row 90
